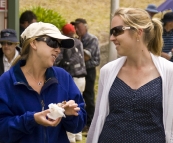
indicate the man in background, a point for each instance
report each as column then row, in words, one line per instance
column 92, row 60
column 152, row 10
column 72, row 60
column 167, row 51
column 26, row 18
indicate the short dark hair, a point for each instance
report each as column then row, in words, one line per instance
column 28, row 16
column 79, row 20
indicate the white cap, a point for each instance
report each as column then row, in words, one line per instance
column 37, row 29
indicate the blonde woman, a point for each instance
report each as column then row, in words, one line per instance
column 135, row 95
column 32, row 84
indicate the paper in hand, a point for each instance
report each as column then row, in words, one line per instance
column 55, row 111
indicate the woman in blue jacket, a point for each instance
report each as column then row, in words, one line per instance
column 32, row 84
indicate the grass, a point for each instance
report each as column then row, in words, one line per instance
column 96, row 12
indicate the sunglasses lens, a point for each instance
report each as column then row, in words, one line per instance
column 53, row 43
column 117, row 31
column 8, row 43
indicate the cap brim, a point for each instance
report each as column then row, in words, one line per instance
column 9, row 40
column 150, row 10
column 66, row 42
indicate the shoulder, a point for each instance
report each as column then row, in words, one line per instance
column 59, row 70
column 60, row 73
column 168, row 65
column 5, row 78
column 77, row 42
column 90, row 37
column 113, row 65
column 162, row 64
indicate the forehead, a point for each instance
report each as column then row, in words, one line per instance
column 116, row 21
column 80, row 25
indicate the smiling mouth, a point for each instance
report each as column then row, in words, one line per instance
column 54, row 57
column 117, row 45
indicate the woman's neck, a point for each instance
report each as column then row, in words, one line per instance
column 139, row 60
column 33, row 69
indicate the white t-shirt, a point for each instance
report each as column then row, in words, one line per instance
column 7, row 64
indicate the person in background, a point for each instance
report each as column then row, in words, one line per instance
column 167, row 50
column 152, row 10
column 32, row 83
column 9, row 50
column 26, row 18
column 92, row 60
column 73, row 62
column 135, row 94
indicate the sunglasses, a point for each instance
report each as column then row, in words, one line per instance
column 51, row 42
column 118, row 30
column 8, row 43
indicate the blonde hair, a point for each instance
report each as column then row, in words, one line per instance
column 152, row 28
column 25, row 50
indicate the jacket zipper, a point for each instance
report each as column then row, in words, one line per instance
column 42, row 105
column 44, row 128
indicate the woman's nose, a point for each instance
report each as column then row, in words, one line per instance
column 58, row 50
column 112, row 37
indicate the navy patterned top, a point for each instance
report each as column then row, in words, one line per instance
column 135, row 115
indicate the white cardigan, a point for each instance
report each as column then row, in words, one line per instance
column 108, row 74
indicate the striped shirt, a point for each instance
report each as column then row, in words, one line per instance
column 168, row 41
column 91, row 48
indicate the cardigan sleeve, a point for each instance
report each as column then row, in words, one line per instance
column 96, row 113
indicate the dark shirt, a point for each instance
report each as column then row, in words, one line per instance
column 168, row 42
column 72, row 60
column 90, row 43
column 135, row 115
column 21, row 29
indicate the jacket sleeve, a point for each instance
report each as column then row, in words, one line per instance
column 93, row 51
column 75, row 124
column 13, row 127
column 90, row 137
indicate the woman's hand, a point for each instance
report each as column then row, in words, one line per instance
column 42, row 119
column 71, row 108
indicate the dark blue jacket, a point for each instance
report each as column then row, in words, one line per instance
column 19, row 102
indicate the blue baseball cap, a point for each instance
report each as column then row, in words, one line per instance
column 9, row 35
column 151, row 8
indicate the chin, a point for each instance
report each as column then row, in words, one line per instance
column 49, row 65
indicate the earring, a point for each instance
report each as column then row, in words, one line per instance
column 137, row 40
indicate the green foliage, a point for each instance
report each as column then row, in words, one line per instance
column 48, row 16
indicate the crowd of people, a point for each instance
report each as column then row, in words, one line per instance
column 50, row 65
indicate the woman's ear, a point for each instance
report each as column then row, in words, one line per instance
column 33, row 44
column 140, row 32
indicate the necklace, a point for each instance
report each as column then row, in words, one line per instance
column 39, row 83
